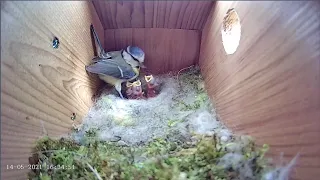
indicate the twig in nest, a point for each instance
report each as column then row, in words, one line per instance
column 94, row 171
column 180, row 72
column 117, row 140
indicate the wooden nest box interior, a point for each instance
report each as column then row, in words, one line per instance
column 260, row 61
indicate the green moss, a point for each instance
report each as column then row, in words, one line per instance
column 161, row 160
column 200, row 101
column 173, row 122
column 192, row 79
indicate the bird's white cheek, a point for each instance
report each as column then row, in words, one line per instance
column 127, row 56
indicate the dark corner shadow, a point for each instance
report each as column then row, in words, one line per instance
column 97, row 85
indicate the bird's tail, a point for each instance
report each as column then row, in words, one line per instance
column 92, row 69
column 96, row 38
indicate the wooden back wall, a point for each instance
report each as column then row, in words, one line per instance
column 168, row 31
column 270, row 87
column 41, row 86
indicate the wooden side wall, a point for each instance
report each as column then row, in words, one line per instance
column 270, row 87
column 40, row 86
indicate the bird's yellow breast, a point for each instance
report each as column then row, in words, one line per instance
column 136, row 70
column 112, row 80
column 109, row 79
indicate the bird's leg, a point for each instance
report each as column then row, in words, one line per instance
column 118, row 88
column 120, row 94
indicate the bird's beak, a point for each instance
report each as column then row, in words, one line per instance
column 148, row 78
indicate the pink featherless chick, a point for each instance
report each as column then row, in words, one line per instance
column 134, row 90
column 129, row 90
column 152, row 86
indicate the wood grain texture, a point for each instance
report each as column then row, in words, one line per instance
column 42, row 86
column 270, row 87
column 153, row 14
column 165, row 49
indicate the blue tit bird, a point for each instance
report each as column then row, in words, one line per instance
column 117, row 67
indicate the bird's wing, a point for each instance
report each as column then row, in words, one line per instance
column 108, row 55
column 112, row 67
column 113, row 54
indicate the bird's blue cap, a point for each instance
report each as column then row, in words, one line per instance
column 136, row 52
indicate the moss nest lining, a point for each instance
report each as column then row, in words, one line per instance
column 174, row 136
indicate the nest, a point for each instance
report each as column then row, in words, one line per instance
column 175, row 135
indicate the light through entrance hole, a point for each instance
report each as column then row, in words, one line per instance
column 231, row 31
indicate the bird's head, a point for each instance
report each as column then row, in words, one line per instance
column 134, row 56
